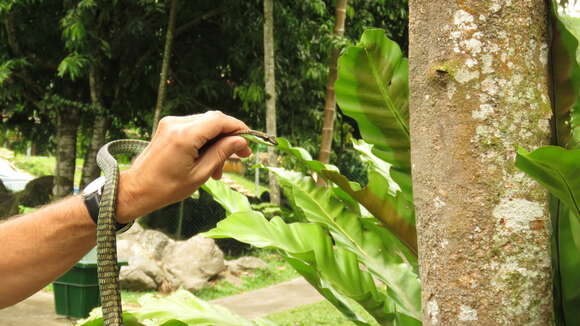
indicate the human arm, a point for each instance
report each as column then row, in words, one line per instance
column 40, row 246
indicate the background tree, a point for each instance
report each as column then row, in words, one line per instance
column 479, row 87
column 163, row 76
column 270, row 82
column 330, row 98
column 119, row 46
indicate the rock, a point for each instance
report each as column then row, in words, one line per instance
column 193, row 262
column 8, row 204
column 154, row 242
column 133, row 278
column 37, row 192
column 159, row 263
column 143, row 272
column 244, row 264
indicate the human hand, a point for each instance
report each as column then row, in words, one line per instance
column 172, row 167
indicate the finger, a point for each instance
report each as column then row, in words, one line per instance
column 245, row 152
column 215, row 156
column 210, row 125
column 217, row 173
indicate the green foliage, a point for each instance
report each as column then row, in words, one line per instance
column 372, row 88
column 567, row 87
column 334, row 270
column 568, row 265
column 179, row 308
column 73, row 66
column 8, row 66
column 310, row 251
column 231, row 201
column 121, row 39
column 388, row 261
column 374, row 92
column 556, row 168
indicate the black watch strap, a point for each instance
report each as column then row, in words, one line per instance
column 92, row 203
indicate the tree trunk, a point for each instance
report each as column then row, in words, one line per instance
column 90, row 168
column 67, row 124
column 165, row 65
column 479, row 88
column 330, row 99
column 270, row 80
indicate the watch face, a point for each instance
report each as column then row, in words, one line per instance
column 95, row 186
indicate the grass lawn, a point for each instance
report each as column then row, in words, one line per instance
column 316, row 314
column 43, row 165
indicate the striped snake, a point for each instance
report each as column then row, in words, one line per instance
column 108, row 270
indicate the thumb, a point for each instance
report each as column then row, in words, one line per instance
column 214, row 157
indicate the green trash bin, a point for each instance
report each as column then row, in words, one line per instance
column 76, row 292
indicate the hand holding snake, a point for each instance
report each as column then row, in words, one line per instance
column 183, row 154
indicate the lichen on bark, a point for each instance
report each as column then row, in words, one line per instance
column 479, row 88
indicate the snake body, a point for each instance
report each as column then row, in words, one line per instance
column 107, row 268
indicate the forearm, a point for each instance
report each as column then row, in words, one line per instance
column 39, row 247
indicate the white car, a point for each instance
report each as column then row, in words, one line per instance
column 13, row 179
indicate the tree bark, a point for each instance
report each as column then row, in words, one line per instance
column 270, row 81
column 67, row 125
column 165, row 65
column 479, row 88
column 90, row 168
column 330, row 99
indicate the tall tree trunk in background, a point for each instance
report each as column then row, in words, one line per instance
column 270, row 80
column 330, row 99
column 66, row 141
column 165, row 65
column 90, row 168
column 479, row 87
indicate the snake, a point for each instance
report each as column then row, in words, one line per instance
column 107, row 267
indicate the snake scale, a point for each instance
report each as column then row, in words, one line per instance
column 108, row 270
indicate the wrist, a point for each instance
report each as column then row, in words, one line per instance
column 129, row 205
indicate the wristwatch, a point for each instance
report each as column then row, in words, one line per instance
column 92, row 197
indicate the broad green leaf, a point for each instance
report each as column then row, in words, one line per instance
column 186, row 308
column 569, row 265
column 382, row 197
column 338, row 300
column 557, row 169
column 303, row 155
column 231, row 200
column 566, row 13
column 387, row 259
column 372, row 88
column 566, row 84
column 566, row 70
column 180, row 308
column 327, row 266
